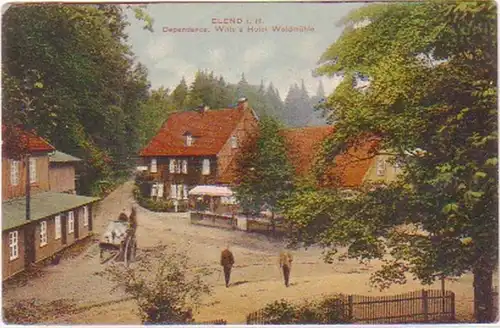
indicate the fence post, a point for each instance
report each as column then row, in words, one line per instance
column 452, row 299
column 425, row 305
column 351, row 307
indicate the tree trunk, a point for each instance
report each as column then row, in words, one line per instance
column 483, row 288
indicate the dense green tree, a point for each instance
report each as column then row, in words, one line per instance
column 68, row 74
column 179, row 94
column 432, row 103
column 264, row 173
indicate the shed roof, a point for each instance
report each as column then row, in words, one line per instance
column 211, row 191
column 42, row 205
column 60, row 157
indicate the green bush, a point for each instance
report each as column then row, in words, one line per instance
column 331, row 310
column 164, row 286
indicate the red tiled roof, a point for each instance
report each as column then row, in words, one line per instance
column 210, row 130
column 25, row 139
column 303, row 145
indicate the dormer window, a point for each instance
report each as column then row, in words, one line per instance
column 188, row 139
column 234, row 142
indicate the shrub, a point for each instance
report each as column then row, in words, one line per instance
column 164, row 287
column 329, row 310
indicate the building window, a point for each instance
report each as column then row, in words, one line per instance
column 172, row 165
column 234, row 142
column 184, row 166
column 380, row 167
column 57, row 223
column 43, row 233
column 185, row 190
column 85, row 216
column 14, row 172
column 173, row 191
column 206, row 167
column 189, row 140
column 32, row 170
column 71, row 222
column 154, row 169
column 13, row 245
column 159, row 190
column 154, row 190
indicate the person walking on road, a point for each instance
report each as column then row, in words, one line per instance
column 286, row 259
column 227, row 261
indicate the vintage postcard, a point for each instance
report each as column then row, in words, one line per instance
column 249, row 163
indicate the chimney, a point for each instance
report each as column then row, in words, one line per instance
column 242, row 103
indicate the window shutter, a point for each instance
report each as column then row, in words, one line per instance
column 184, row 166
column 173, row 191
column 171, row 165
column 178, row 164
column 185, row 189
column 160, row 190
column 32, row 170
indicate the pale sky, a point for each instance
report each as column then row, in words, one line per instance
column 281, row 57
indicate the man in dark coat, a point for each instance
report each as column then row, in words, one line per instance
column 227, row 261
column 286, row 265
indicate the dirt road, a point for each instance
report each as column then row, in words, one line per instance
column 256, row 279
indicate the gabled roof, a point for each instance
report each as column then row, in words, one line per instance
column 60, row 157
column 211, row 128
column 303, row 145
column 24, row 139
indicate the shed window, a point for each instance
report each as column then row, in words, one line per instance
column 71, row 222
column 85, row 216
column 57, row 223
column 13, row 245
column 32, row 170
column 206, row 167
column 43, row 233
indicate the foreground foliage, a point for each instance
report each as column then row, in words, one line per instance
column 68, row 73
column 431, row 101
column 264, row 173
column 163, row 285
column 331, row 310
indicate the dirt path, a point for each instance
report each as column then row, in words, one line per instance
column 256, row 277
